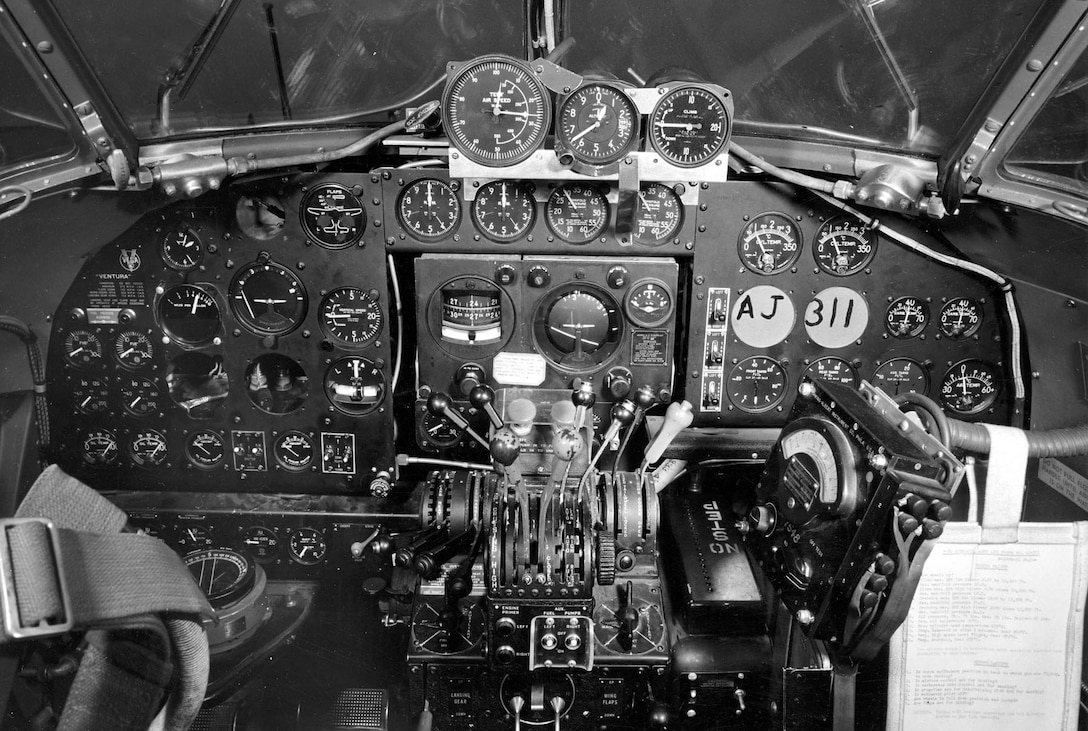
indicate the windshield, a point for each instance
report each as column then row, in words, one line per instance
column 899, row 74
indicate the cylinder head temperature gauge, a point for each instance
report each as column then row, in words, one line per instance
column 961, row 318
column 770, row 243
column 844, row 246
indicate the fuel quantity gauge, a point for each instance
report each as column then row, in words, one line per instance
column 757, row 384
column 833, row 370
column 901, row 375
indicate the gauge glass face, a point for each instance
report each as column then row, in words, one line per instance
column 961, row 318
column 471, row 316
column 189, row 314
column 223, row 575
column 496, row 111
column 351, row 317
column 757, row 384
column 969, row 387
column 689, row 126
column 193, row 537
column 770, row 243
column 307, row 546
column 332, row 216
column 260, row 217
column 901, row 375
column 597, row 124
column 649, row 302
column 833, row 370
column 205, row 449
column 439, row 431
column 355, row 385
column 504, row 210
column 268, row 299
column 294, row 451
column 658, row 215
column 182, row 249
column 906, row 317
column 91, row 395
column 133, row 349
column 148, row 448
column 82, row 348
column 276, row 384
column 100, row 447
column 139, row 396
column 429, row 210
column 262, row 543
column 844, row 246
column 578, row 327
column 577, row 213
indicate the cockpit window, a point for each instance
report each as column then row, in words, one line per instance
column 199, row 65
column 1054, row 148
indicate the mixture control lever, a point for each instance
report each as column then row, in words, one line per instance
column 583, row 399
column 483, row 398
column 677, row 418
column 439, row 404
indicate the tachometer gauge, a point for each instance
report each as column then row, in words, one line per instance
column 597, row 124
column 843, row 246
column 834, row 370
column 578, row 327
column 182, row 249
column 189, row 314
column 91, row 395
column 689, row 126
column 496, row 111
column 961, row 318
column 307, row 546
column 351, row 317
column 332, row 216
column 267, row 299
column 757, row 384
column 139, row 396
column 770, row 243
column 133, row 349
column 205, row 449
column 969, row 387
column 907, row 317
column 82, row 348
column 648, row 302
column 900, row 375
column 355, row 386
column 148, row 448
column 429, row 209
column 504, row 210
column 262, row 543
column 658, row 215
column 294, row 451
column 100, row 447
column 577, row 213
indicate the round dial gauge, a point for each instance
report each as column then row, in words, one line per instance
column 578, row 327
column 205, row 449
column 82, row 348
column 260, row 217
column 100, row 447
column 355, row 385
column 504, row 210
column 770, row 243
column 907, row 317
column 969, row 387
column 658, row 215
column 757, row 384
column 900, row 375
column 439, row 431
column 223, row 575
column 471, row 314
column 139, row 396
column 835, row 370
column 351, row 316
column 843, row 246
column 307, row 546
column 689, row 126
column 429, row 209
column 577, row 213
column 961, row 318
column 332, row 216
column 596, row 123
column 496, row 111
column 189, row 314
column 148, row 448
column 649, row 302
column 182, row 249
column 294, row 451
column 91, row 395
column 268, row 299
column 133, row 349
column 193, row 537
column 262, row 543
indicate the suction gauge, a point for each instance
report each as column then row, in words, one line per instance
column 577, row 213
column 504, row 210
column 689, row 126
column 596, row 124
column 770, row 243
column 658, row 215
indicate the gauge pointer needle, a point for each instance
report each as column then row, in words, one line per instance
column 77, row 351
column 586, row 131
column 248, row 306
column 196, row 303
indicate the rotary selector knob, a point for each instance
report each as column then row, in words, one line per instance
column 606, row 559
column 762, row 519
column 539, row 277
column 617, row 277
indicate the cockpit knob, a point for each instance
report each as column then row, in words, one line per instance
column 468, row 377
column 567, row 444
column 521, row 412
column 505, row 446
column 618, row 382
column 644, row 397
column 483, row 398
column 583, row 399
column 762, row 519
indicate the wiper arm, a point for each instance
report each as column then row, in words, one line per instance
column 183, row 73
column 865, row 9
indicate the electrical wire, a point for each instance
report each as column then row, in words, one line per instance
column 398, row 351
column 37, row 374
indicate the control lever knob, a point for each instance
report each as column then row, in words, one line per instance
column 483, row 398
column 505, row 446
column 762, row 519
column 567, row 444
column 644, row 397
column 677, row 418
column 583, row 399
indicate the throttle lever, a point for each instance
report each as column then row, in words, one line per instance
column 483, row 398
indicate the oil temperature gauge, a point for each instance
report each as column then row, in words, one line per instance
column 504, row 210
column 658, row 215
column 770, row 243
column 205, row 449
column 843, row 246
column 649, row 302
column 969, row 387
column 294, row 451
column 148, row 448
column 139, row 396
column 907, row 317
column 757, row 384
column 961, row 318
column 307, row 546
column 576, row 213
column 100, row 447
column 82, row 348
